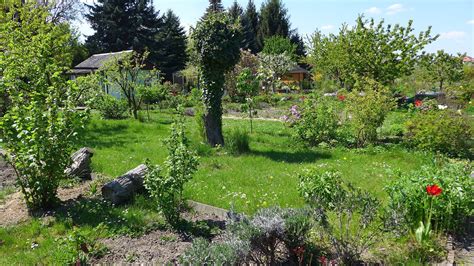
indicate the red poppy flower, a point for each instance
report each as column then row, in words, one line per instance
column 418, row 103
column 341, row 97
column 433, row 190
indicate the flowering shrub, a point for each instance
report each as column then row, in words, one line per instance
column 440, row 131
column 315, row 123
column 411, row 195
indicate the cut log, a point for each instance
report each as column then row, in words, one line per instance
column 81, row 164
column 126, row 186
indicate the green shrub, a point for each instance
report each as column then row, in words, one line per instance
column 230, row 252
column 112, row 108
column 41, row 126
column 408, row 199
column 395, row 124
column 166, row 184
column 268, row 230
column 441, row 131
column 348, row 216
column 317, row 122
column 368, row 105
column 237, row 141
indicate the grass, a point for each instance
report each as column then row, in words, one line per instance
column 52, row 242
column 263, row 177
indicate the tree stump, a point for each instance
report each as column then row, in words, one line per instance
column 81, row 164
column 126, row 186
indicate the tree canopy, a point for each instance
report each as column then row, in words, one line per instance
column 123, row 25
column 274, row 20
column 373, row 50
column 250, row 26
column 173, row 45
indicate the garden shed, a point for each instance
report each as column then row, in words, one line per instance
column 296, row 76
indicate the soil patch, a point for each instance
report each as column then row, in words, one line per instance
column 155, row 248
column 7, row 174
column 14, row 210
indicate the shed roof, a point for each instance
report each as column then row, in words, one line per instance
column 96, row 61
column 297, row 70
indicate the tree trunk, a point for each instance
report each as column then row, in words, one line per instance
column 213, row 125
column 81, row 164
column 126, row 186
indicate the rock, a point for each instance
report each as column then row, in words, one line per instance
column 81, row 164
column 126, row 186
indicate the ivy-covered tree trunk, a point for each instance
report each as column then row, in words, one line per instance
column 212, row 93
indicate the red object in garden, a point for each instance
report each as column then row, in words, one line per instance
column 418, row 103
column 341, row 97
column 299, row 251
column 322, row 260
column 433, row 190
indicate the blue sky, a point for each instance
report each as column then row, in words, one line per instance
column 452, row 19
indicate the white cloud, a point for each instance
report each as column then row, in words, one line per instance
column 452, row 35
column 394, row 9
column 470, row 22
column 327, row 27
column 373, row 10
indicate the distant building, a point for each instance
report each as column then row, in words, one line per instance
column 95, row 62
column 468, row 60
column 296, row 76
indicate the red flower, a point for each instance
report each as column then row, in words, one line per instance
column 418, row 103
column 433, row 190
column 299, row 251
column 341, row 97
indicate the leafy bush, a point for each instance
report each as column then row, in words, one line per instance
column 166, row 184
column 368, row 105
column 40, row 127
column 408, row 200
column 348, row 215
column 395, row 124
column 237, row 142
column 440, row 130
column 90, row 89
column 273, row 233
column 112, row 108
column 316, row 123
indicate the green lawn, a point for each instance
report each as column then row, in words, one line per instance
column 266, row 176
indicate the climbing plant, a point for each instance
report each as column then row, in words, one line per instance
column 216, row 41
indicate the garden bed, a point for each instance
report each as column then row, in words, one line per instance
column 7, row 174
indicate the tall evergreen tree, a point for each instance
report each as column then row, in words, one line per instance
column 235, row 11
column 124, row 24
column 172, row 38
column 298, row 41
column 250, row 26
column 274, row 20
column 215, row 6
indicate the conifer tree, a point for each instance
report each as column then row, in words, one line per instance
column 274, row 20
column 173, row 45
column 215, row 6
column 250, row 26
column 235, row 11
column 123, row 25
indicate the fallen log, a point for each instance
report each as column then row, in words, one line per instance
column 81, row 164
column 124, row 187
